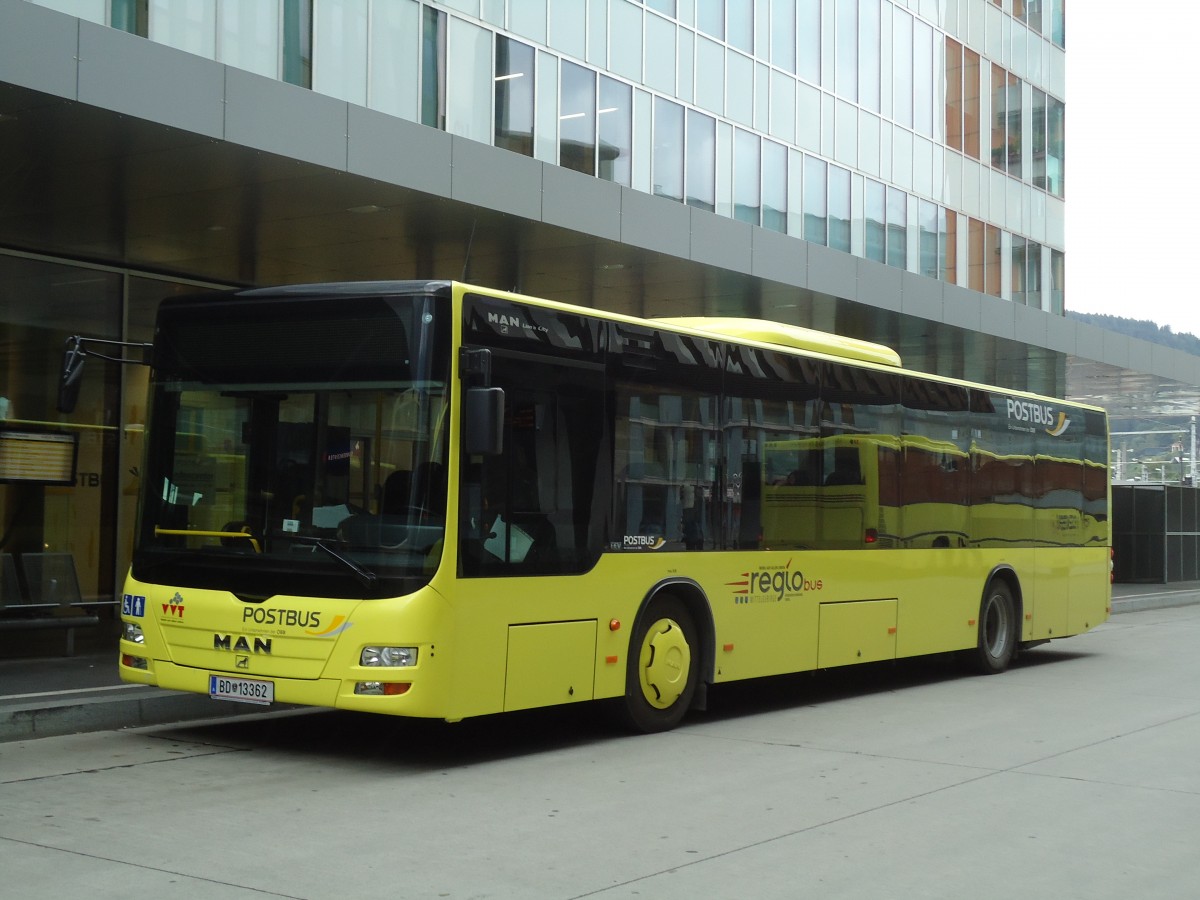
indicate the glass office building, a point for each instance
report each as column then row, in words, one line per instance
column 888, row 169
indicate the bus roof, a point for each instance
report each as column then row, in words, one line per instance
column 792, row 336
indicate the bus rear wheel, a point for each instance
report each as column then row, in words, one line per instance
column 663, row 666
column 998, row 631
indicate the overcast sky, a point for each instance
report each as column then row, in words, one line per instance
column 1133, row 157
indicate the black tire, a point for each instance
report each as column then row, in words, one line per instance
column 999, row 631
column 663, row 666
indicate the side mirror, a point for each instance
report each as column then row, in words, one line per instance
column 71, row 376
column 483, row 421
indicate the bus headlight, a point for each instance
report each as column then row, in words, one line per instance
column 389, row 657
column 132, row 633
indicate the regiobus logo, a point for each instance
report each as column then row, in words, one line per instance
column 1039, row 414
column 772, row 584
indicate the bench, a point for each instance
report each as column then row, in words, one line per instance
column 51, row 600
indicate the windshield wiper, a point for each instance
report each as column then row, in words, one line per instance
column 365, row 577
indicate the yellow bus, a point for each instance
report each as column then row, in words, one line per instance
column 438, row 500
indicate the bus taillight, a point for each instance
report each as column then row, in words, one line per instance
column 871, row 537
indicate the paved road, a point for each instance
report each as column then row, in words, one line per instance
column 1077, row 774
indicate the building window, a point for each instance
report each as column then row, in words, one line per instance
column 667, row 163
column 927, row 214
column 297, row 42
column 710, row 18
column 701, row 160
column 1037, row 129
column 846, row 54
column 615, row 118
column 577, row 119
column 897, row 228
column 774, row 186
column 1006, row 121
column 975, row 245
column 1056, row 114
column 783, row 34
column 808, row 32
column 131, row 16
column 875, row 202
column 816, row 208
column 954, row 95
column 1058, row 282
column 514, row 96
column 902, row 68
column 870, row 54
column 1018, row 271
column 839, row 209
column 747, row 174
column 991, row 260
column 948, row 230
column 971, row 113
column 433, row 69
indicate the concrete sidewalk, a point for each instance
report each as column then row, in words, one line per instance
column 49, row 696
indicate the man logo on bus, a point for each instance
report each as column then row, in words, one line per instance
column 1039, row 414
column 772, row 584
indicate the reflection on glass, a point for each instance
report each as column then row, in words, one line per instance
column 747, row 198
column 897, row 228
column 975, row 243
column 514, row 95
column 954, row 95
column 1056, row 115
column 991, row 260
column 816, row 208
column 701, row 160
column 928, row 223
column 577, row 119
column 615, row 118
column 948, row 228
column 774, row 186
column 923, row 78
column 839, row 209
column 875, row 202
column 971, row 145
column 668, row 149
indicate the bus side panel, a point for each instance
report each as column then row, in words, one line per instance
column 939, row 593
column 1091, row 590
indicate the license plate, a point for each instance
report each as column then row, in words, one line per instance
column 241, row 690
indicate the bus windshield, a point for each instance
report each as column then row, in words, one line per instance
column 298, row 449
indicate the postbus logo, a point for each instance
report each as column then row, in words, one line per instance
column 772, row 584
column 1024, row 411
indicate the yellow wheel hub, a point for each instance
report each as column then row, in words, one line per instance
column 664, row 663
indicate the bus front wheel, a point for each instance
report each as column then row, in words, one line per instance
column 998, row 629
column 663, row 666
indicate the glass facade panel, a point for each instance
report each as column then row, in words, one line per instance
column 870, row 55
column 1056, row 115
column 1058, row 282
column 747, row 168
column 846, row 52
column 902, row 68
column 1037, row 132
column 948, row 227
column 248, row 36
column 668, row 149
column 297, row 42
column 433, row 68
column 975, row 250
column 528, row 18
column 577, row 119
column 661, row 61
column 190, row 26
column 701, row 160
column 808, row 31
column 626, row 58
column 1013, row 124
column 783, row 34
column 954, row 95
column 395, row 57
column 710, row 75
column 816, row 202
column 739, row 88
column 897, row 228
column 568, row 27
column 514, row 95
column 839, row 209
column 992, row 260
column 340, row 50
column 928, row 223
column 875, row 206
column 469, row 81
column 710, row 18
column 971, row 111
column 615, row 118
column 923, row 79
column 739, row 20
column 774, row 186
column 545, row 122
column 999, row 118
